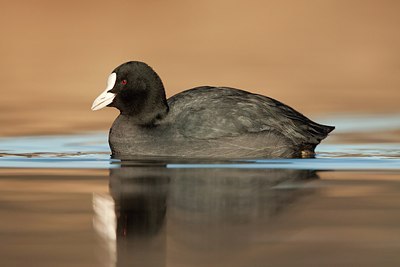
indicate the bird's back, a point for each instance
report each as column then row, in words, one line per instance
column 215, row 112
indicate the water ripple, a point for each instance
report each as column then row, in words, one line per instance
column 91, row 151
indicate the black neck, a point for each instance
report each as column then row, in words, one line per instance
column 144, row 102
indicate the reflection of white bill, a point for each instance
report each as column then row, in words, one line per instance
column 104, row 223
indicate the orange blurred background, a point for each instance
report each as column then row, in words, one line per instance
column 319, row 56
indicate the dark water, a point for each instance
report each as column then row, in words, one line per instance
column 63, row 202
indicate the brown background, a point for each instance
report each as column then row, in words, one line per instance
column 321, row 57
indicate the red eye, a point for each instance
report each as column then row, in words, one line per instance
column 123, row 82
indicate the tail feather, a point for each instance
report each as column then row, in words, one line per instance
column 320, row 131
column 326, row 129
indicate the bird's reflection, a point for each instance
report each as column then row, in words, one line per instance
column 194, row 217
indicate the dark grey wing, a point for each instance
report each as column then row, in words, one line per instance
column 213, row 112
column 295, row 125
column 209, row 112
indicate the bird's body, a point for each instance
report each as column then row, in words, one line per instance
column 206, row 122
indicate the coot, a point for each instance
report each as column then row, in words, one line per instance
column 203, row 122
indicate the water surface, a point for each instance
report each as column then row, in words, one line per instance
column 64, row 202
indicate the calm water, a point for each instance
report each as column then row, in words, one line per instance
column 64, row 202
